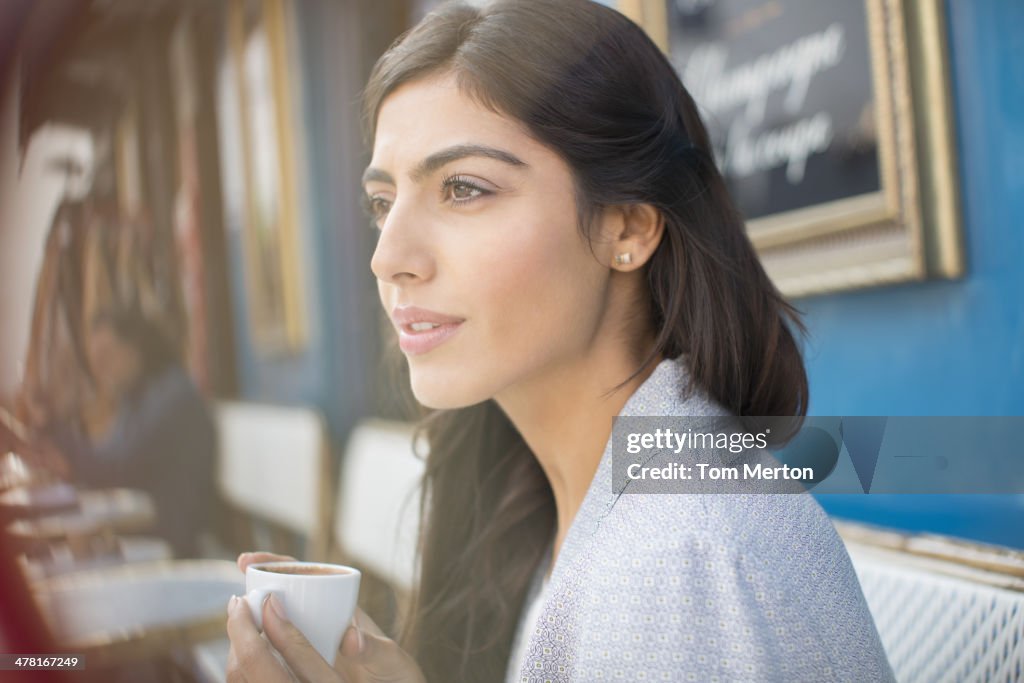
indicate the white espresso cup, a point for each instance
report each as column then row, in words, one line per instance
column 318, row 598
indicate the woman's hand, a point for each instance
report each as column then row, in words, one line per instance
column 367, row 655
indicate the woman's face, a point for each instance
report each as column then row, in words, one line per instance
column 479, row 262
column 115, row 362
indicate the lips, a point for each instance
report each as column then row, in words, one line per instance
column 421, row 330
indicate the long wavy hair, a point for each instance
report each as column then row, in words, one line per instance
column 588, row 83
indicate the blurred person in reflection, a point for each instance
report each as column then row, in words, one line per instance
column 162, row 439
column 557, row 247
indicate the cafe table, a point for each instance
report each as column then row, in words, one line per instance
column 99, row 514
column 139, row 611
column 37, row 500
column 61, row 557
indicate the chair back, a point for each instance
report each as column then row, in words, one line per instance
column 946, row 609
column 377, row 513
column 274, row 465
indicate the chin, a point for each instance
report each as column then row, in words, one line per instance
column 445, row 390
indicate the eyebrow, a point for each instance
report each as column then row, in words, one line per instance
column 446, row 156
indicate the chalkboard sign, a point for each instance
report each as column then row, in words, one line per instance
column 832, row 125
column 785, row 89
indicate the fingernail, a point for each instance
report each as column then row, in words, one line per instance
column 232, row 602
column 277, row 606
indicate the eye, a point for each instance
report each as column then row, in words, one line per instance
column 376, row 207
column 459, row 190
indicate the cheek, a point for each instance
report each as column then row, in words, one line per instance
column 117, row 370
column 95, row 358
column 543, row 291
column 101, row 362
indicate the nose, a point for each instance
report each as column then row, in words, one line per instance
column 402, row 254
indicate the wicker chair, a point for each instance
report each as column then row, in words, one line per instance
column 946, row 609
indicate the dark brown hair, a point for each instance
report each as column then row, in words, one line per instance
column 133, row 327
column 590, row 85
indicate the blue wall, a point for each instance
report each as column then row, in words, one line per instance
column 329, row 372
column 953, row 347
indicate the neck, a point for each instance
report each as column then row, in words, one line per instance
column 565, row 416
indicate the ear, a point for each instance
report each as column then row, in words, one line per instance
column 632, row 232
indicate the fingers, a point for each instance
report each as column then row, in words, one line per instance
column 374, row 656
column 305, row 661
column 253, row 660
column 245, row 559
column 233, row 673
column 364, row 623
column 45, row 456
column 56, row 461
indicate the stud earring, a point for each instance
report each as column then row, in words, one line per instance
column 623, row 259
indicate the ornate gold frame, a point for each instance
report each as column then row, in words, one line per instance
column 910, row 229
column 287, row 334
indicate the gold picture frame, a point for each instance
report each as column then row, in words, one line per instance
column 257, row 46
column 909, row 228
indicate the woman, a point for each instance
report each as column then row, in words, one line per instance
column 556, row 247
column 162, row 440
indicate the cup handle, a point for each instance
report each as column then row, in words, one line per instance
column 255, row 599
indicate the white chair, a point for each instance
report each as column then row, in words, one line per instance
column 946, row 609
column 377, row 514
column 273, row 466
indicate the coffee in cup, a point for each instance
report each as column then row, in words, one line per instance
column 318, row 598
column 307, row 569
